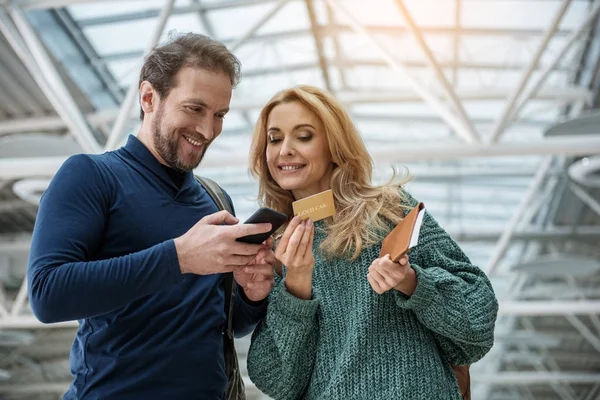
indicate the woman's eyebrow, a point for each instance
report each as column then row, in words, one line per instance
column 303, row 126
column 299, row 126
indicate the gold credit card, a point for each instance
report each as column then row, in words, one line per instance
column 315, row 207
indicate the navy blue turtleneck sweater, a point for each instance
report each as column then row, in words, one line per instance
column 103, row 253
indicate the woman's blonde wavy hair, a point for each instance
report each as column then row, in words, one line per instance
column 363, row 211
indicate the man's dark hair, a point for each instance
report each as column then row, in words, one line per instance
column 187, row 50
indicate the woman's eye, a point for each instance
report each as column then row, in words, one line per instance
column 274, row 140
column 305, row 138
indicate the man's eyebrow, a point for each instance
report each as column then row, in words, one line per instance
column 202, row 103
column 199, row 102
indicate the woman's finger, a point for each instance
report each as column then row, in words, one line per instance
column 403, row 260
column 383, row 277
column 287, row 234
column 306, row 242
column 374, row 284
column 394, row 270
column 376, row 275
column 291, row 250
column 269, row 242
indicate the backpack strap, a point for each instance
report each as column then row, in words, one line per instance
column 215, row 192
column 218, row 196
column 235, row 384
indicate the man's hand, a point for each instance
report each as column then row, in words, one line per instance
column 209, row 247
column 384, row 274
column 257, row 278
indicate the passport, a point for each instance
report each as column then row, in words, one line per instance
column 405, row 235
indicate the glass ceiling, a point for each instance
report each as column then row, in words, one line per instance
column 485, row 55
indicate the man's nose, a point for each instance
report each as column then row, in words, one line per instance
column 205, row 127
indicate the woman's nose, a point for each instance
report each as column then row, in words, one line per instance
column 286, row 149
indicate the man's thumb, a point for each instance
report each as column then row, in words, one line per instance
column 220, row 218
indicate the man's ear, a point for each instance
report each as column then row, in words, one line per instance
column 148, row 97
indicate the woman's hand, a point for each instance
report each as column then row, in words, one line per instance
column 384, row 274
column 295, row 247
column 294, row 250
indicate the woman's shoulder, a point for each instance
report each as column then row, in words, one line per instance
column 406, row 199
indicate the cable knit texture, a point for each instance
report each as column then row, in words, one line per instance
column 348, row 342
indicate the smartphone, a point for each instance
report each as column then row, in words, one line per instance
column 264, row 214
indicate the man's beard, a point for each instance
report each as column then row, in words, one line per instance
column 167, row 145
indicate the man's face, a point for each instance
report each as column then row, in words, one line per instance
column 190, row 117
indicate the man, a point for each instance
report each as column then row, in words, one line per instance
column 128, row 243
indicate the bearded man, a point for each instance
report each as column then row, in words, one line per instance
column 133, row 247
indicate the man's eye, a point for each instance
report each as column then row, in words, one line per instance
column 221, row 116
column 194, row 109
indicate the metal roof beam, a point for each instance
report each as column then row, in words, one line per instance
column 11, row 168
column 41, row 4
column 458, row 123
column 446, row 87
column 28, row 47
column 540, row 308
column 532, row 378
column 50, row 123
column 129, row 101
column 523, row 95
column 318, row 38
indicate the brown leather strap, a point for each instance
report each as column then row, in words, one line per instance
column 464, row 380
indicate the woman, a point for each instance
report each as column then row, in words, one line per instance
column 343, row 323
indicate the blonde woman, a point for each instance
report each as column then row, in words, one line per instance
column 343, row 323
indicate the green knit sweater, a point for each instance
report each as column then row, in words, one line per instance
column 348, row 342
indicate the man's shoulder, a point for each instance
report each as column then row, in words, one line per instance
column 89, row 168
column 85, row 160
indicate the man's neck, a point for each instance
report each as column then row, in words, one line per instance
column 145, row 136
column 176, row 175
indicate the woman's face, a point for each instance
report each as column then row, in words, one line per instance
column 297, row 151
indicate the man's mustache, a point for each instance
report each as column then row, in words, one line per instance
column 195, row 136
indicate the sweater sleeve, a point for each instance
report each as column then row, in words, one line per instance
column 453, row 298
column 282, row 352
column 64, row 280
